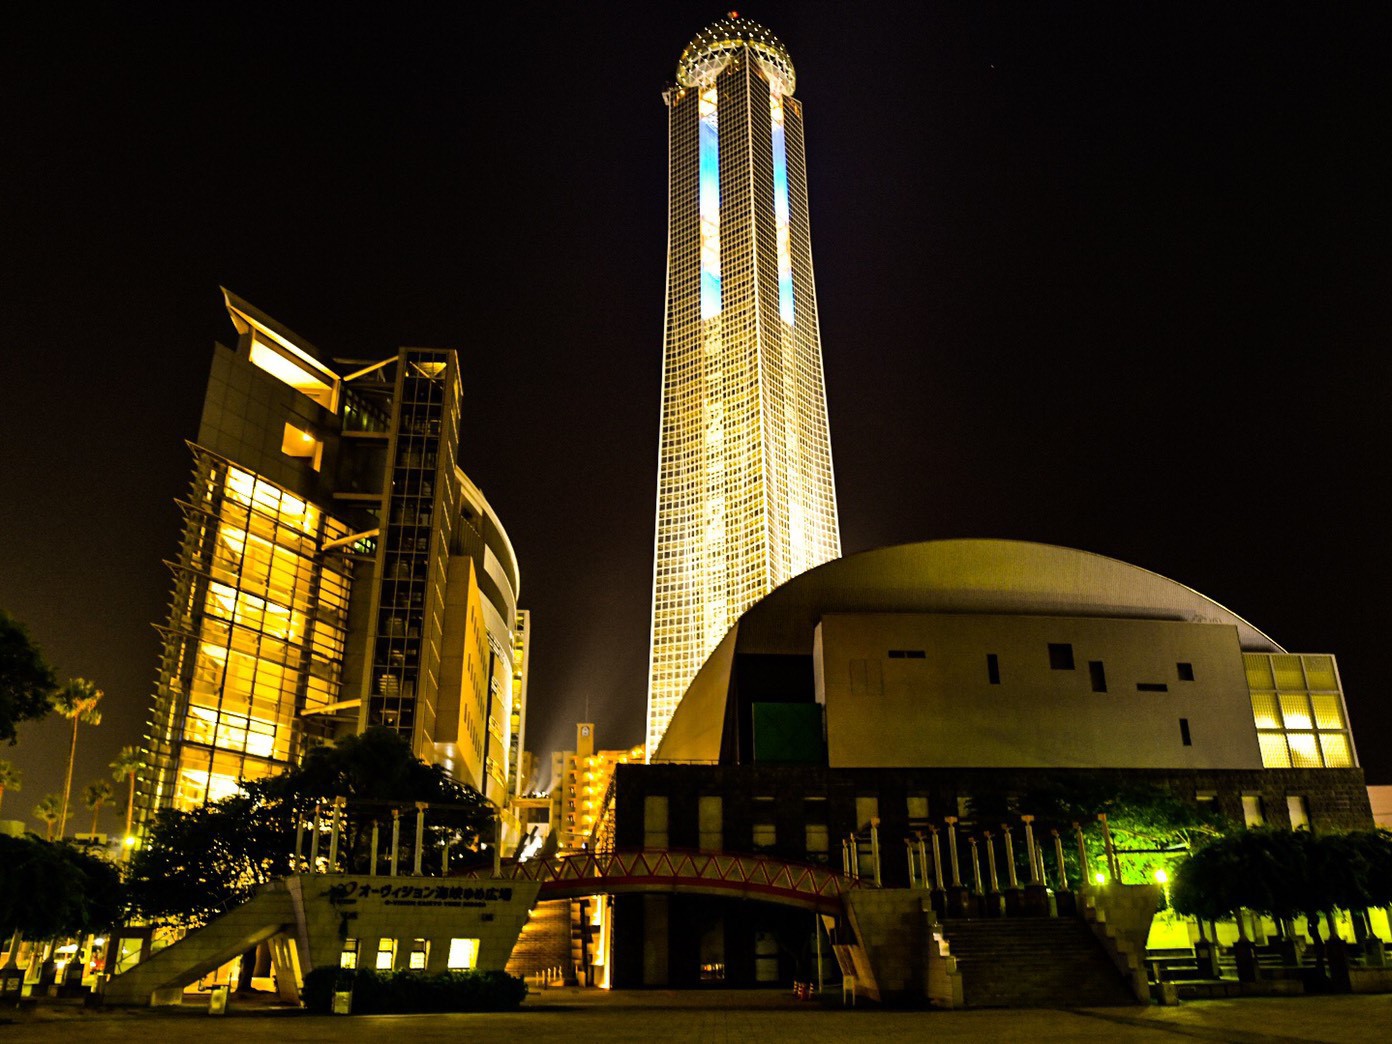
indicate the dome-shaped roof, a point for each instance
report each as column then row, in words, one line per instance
column 713, row 47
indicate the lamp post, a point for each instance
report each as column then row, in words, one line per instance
column 396, row 838
column 421, row 806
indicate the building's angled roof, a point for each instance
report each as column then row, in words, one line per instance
column 991, row 576
column 1003, row 577
column 713, row 46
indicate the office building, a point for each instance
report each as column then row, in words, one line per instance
column 579, row 782
column 338, row 570
column 745, row 494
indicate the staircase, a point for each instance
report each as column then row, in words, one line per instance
column 1028, row 962
column 167, row 972
column 545, row 942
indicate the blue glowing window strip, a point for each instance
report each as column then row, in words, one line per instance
column 709, row 204
column 780, row 210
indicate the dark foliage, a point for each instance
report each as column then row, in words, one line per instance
column 195, row 864
column 377, row 993
column 25, row 679
column 50, row 889
column 1285, row 874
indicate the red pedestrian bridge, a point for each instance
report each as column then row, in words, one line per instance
column 703, row 873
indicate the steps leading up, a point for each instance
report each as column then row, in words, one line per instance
column 1044, row 962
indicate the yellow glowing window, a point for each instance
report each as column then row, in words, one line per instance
column 1273, row 750
column 1319, row 670
column 1329, row 714
column 1295, row 710
column 1258, row 672
column 463, row 954
column 386, row 954
column 296, row 442
column 1266, row 710
column 420, row 953
column 349, row 957
column 1304, row 751
column 301, row 373
column 1335, row 746
column 1288, row 672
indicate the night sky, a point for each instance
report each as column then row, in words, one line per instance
column 1111, row 276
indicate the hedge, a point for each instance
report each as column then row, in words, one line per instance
column 401, row 992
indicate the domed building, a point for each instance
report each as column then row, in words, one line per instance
column 892, row 685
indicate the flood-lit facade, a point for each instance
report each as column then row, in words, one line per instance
column 746, row 498
column 338, row 570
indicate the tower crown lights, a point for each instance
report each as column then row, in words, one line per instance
column 713, row 47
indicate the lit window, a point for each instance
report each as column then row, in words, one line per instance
column 1299, row 812
column 297, row 370
column 298, row 443
column 420, row 954
column 463, row 954
column 1252, row 815
column 1335, row 746
column 1304, row 750
column 1295, row 710
column 1266, row 711
column 1274, row 753
column 1329, row 713
column 386, row 954
column 349, row 957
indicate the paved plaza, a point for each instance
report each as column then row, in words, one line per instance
column 725, row 1017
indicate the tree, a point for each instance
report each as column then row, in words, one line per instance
column 49, row 809
column 1145, row 821
column 94, row 797
column 77, row 701
column 50, row 889
column 123, row 770
column 25, row 679
column 195, row 864
column 10, row 778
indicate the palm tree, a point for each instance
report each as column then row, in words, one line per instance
column 9, row 778
column 77, row 701
column 123, row 770
column 49, row 810
column 94, row 797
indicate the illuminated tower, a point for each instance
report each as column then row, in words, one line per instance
column 745, row 496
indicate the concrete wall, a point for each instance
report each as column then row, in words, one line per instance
column 934, row 704
column 336, row 907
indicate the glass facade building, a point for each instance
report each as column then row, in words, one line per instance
column 338, row 571
column 746, row 497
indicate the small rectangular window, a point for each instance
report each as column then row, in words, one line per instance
column 1060, row 657
column 386, row 954
column 1099, row 675
column 1186, row 671
column 1152, row 687
column 463, row 954
column 420, row 954
column 1299, row 812
column 348, row 958
column 816, row 839
column 1184, row 732
column 765, row 835
column 1252, row 815
column 908, row 654
column 993, row 668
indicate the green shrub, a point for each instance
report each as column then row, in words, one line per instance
column 388, row 993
